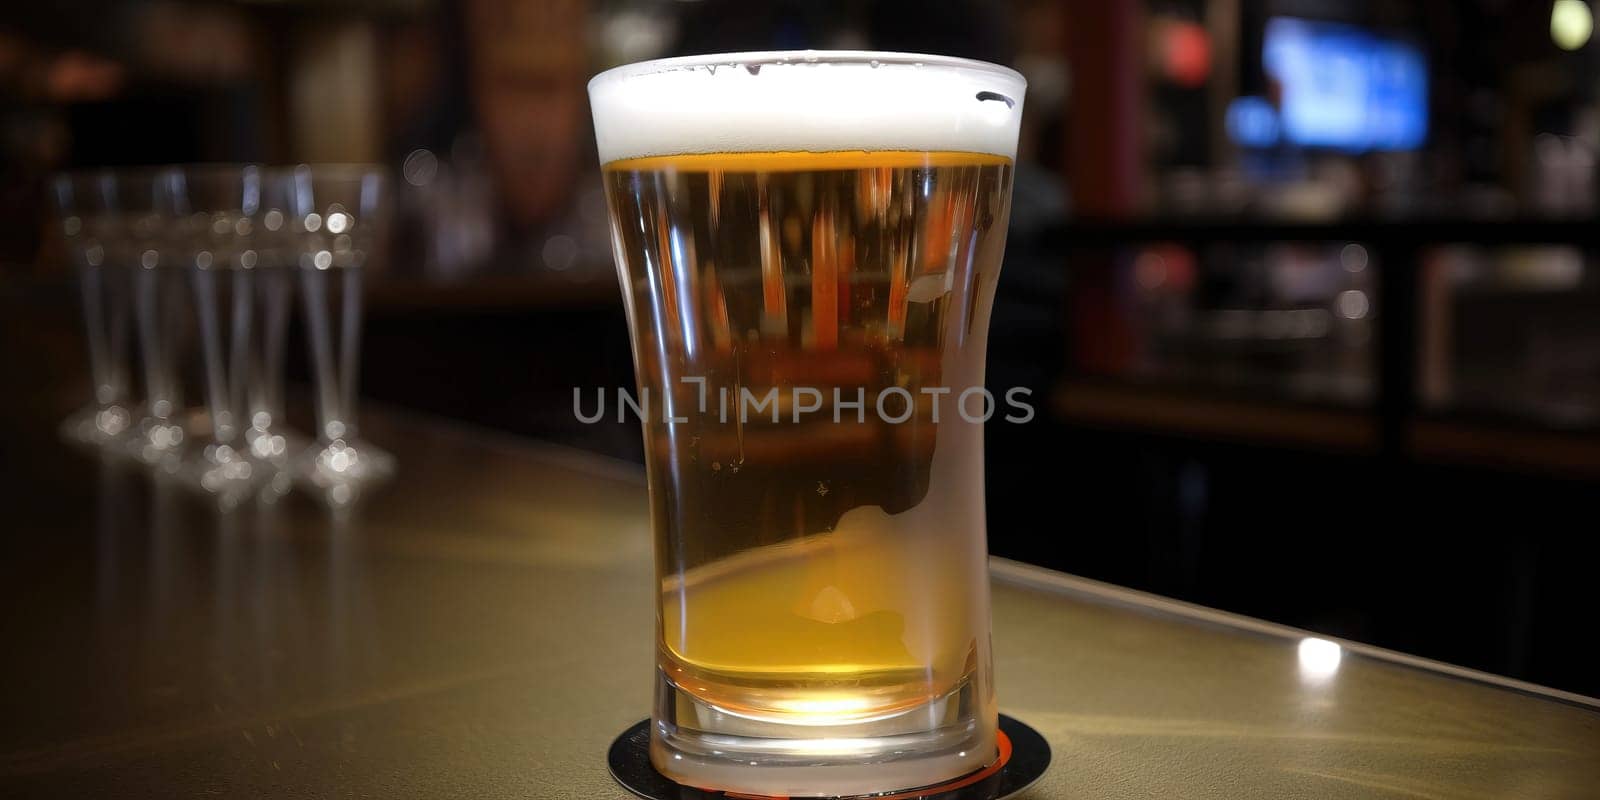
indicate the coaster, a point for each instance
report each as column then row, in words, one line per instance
column 1024, row 756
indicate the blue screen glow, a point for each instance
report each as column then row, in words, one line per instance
column 1346, row 88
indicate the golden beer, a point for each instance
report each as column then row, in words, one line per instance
column 809, row 330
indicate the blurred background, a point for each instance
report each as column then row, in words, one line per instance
column 1306, row 290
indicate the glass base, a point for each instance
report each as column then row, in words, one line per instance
column 1024, row 756
column 96, row 425
column 338, row 472
column 157, row 441
column 274, row 445
column 226, row 473
column 699, row 744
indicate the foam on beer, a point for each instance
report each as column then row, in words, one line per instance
column 805, row 101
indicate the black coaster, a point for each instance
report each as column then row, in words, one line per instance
column 1024, row 756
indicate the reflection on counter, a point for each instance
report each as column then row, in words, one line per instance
column 196, row 606
column 1319, row 660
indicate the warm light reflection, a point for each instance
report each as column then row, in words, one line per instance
column 1319, row 660
column 820, row 746
column 841, row 705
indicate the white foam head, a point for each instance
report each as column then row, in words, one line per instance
column 812, row 101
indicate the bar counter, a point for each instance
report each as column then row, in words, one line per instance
column 480, row 627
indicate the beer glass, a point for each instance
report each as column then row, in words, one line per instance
column 808, row 245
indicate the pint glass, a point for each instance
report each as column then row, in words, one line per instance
column 808, row 245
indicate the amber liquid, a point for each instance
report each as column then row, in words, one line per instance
column 814, row 569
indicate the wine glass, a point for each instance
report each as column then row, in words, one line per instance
column 335, row 218
column 240, row 326
column 146, row 200
column 86, row 210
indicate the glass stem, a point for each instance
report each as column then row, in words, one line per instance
column 266, row 384
column 205, row 293
column 116, row 338
column 147, row 309
column 350, row 349
column 94, row 320
column 239, row 346
column 314, row 285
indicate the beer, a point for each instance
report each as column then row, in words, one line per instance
column 808, row 327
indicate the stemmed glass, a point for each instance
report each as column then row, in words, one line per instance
column 145, row 243
column 216, row 252
column 334, row 218
column 268, row 436
column 215, row 231
column 86, row 207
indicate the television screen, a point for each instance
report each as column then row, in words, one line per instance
column 1346, row 88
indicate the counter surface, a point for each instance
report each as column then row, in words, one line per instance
column 481, row 627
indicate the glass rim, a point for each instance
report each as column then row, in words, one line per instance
column 332, row 169
column 764, row 57
column 218, row 170
column 201, row 167
column 142, row 172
